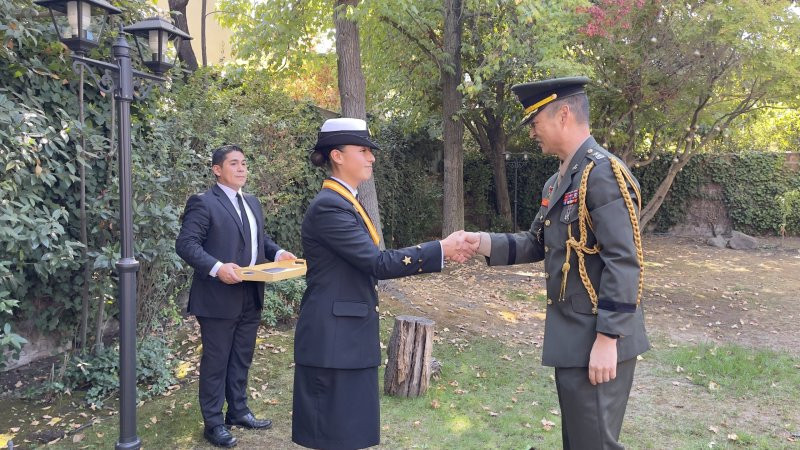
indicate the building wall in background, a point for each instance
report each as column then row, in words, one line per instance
column 218, row 48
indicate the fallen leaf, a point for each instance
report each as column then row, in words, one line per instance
column 547, row 425
column 54, row 421
column 733, row 437
column 183, row 369
column 154, row 420
column 508, row 316
column 435, row 404
column 713, row 429
column 493, row 414
column 4, row 438
column 77, row 438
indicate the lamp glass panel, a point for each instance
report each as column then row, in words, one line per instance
column 91, row 21
column 158, row 42
column 170, row 52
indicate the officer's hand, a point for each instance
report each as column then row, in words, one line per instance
column 227, row 275
column 603, row 360
column 458, row 248
column 286, row 255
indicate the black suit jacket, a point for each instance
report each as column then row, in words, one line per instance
column 211, row 231
column 338, row 324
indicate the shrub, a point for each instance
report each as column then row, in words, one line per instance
column 98, row 374
column 282, row 300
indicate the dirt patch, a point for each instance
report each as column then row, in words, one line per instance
column 693, row 292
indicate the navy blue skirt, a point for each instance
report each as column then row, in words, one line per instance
column 335, row 408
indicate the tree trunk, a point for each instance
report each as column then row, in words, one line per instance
column 651, row 208
column 408, row 372
column 452, row 126
column 352, row 94
column 497, row 147
column 203, row 32
column 186, row 53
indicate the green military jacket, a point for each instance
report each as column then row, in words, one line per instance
column 571, row 324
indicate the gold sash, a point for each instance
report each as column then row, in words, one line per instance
column 344, row 192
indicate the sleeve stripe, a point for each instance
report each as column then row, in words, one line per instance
column 610, row 305
column 512, row 249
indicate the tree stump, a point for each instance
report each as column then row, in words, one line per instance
column 408, row 372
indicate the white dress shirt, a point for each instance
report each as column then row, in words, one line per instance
column 253, row 230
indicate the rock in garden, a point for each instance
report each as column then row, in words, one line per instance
column 741, row 241
column 718, row 241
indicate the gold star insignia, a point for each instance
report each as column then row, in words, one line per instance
column 407, row 260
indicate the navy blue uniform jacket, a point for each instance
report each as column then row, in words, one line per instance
column 338, row 324
column 211, row 232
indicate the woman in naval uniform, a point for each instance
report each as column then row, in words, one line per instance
column 337, row 349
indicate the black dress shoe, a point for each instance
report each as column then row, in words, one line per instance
column 219, row 436
column 249, row 421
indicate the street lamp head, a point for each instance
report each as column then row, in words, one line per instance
column 79, row 23
column 163, row 42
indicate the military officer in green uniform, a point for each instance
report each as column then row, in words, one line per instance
column 587, row 233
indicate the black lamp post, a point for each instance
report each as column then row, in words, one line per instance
column 516, row 160
column 79, row 24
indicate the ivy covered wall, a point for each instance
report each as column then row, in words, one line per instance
column 753, row 185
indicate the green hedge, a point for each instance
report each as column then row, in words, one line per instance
column 752, row 183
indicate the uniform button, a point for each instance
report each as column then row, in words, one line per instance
column 376, row 309
column 549, row 301
column 547, row 223
column 376, row 287
column 591, row 150
column 546, row 249
column 420, row 269
column 420, row 260
column 547, row 276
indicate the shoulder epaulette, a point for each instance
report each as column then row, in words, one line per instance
column 598, row 155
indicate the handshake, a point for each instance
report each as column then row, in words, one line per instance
column 461, row 246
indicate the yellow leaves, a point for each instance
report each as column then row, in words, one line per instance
column 508, row 316
column 182, row 369
column 54, row 421
column 4, row 438
column 435, row 404
column 539, row 315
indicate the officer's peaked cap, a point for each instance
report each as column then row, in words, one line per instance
column 534, row 96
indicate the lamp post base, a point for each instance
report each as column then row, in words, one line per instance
column 135, row 445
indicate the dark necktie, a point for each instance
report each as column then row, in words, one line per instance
column 248, row 239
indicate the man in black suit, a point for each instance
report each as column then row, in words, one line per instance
column 222, row 230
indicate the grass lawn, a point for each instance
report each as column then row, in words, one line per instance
column 492, row 395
